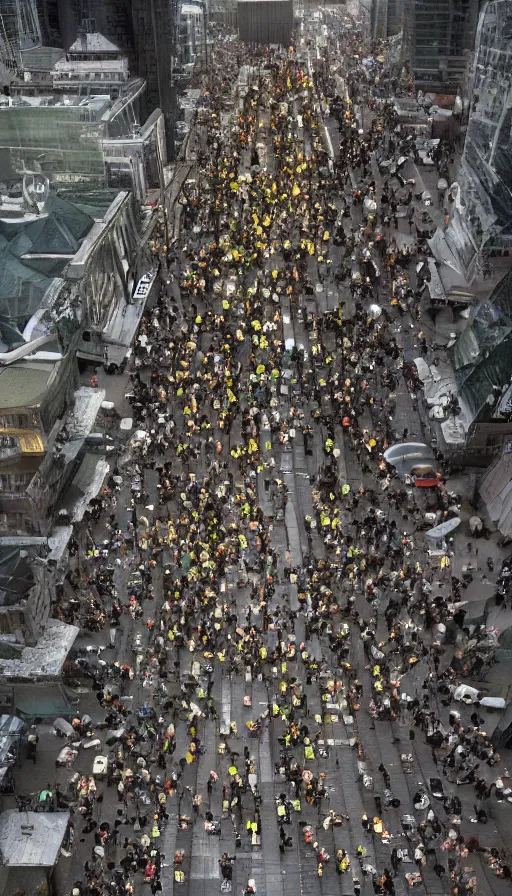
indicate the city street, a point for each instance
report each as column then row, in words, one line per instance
column 283, row 638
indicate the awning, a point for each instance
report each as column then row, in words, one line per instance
column 85, row 486
column 505, row 520
column 435, row 284
column 43, row 701
column 442, row 253
column 496, row 491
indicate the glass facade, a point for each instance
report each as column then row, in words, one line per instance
column 61, row 139
column 484, row 221
column 483, row 351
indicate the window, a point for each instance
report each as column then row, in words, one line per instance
column 14, row 483
column 17, row 420
column 13, row 522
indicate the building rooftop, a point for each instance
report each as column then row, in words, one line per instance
column 16, row 575
column 24, row 384
column 43, row 661
column 34, row 248
column 75, row 66
column 92, row 42
column 21, row 293
column 57, row 230
column 99, row 103
column 482, row 352
column 31, row 839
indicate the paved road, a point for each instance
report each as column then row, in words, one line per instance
column 346, row 746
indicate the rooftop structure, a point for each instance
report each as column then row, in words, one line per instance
column 32, row 839
column 91, row 63
column 62, row 136
column 91, row 46
column 38, row 238
column 44, row 660
column 480, row 377
column 77, row 139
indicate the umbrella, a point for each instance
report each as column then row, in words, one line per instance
column 406, row 455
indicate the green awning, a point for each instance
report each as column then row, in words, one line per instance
column 44, row 701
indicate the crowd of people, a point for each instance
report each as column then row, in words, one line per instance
column 336, row 629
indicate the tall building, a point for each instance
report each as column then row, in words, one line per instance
column 482, row 218
column 145, row 30
column 442, row 38
column 436, row 35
